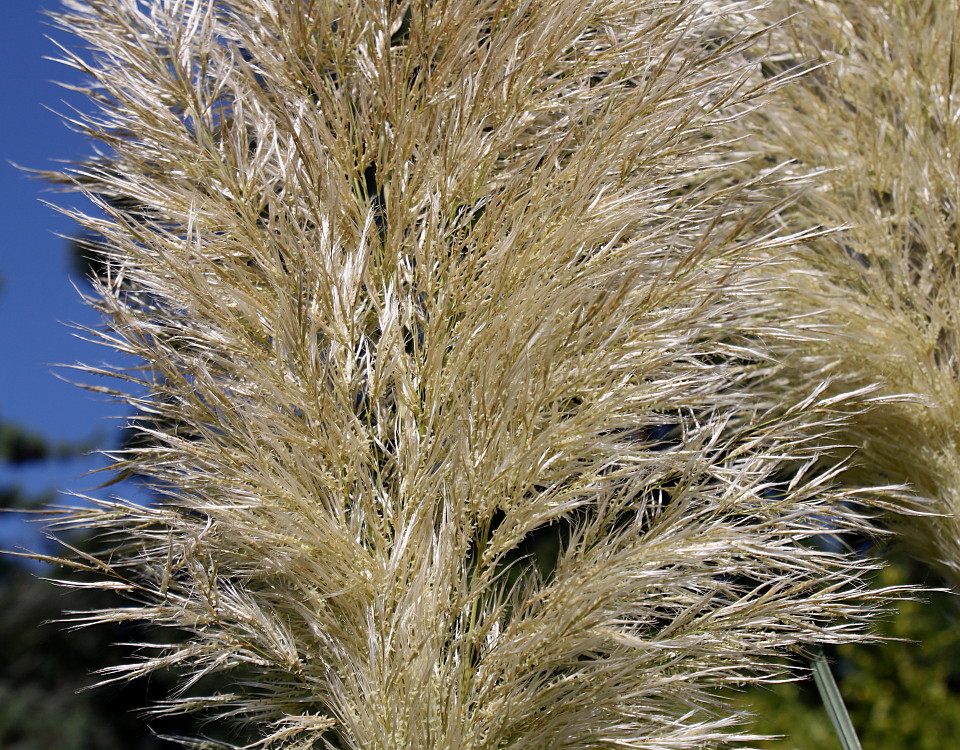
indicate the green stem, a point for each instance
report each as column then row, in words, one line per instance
column 833, row 701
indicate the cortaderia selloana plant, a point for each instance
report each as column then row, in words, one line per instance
column 446, row 327
column 874, row 126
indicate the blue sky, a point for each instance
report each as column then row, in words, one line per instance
column 37, row 297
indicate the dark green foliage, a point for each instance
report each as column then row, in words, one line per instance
column 44, row 667
column 44, row 703
column 12, row 497
column 20, row 446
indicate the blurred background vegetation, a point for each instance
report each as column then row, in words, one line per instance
column 44, row 703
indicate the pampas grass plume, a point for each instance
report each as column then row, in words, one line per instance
column 420, row 290
column 874, row 127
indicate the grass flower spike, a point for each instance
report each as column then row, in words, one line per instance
column 878, row 126
column 446, row 342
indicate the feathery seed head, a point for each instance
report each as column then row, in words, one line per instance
column 446, row 336
column 877, row 128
